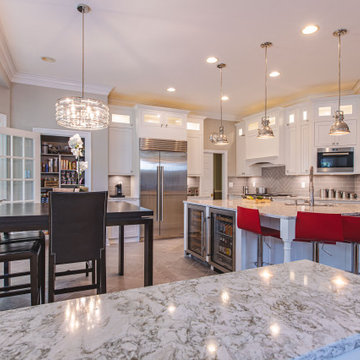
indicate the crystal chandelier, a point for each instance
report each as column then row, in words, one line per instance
column 220, row 138
column 82, row 113
column 339, row 127
column 265, row 131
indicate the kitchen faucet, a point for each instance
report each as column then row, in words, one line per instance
column 311, row 187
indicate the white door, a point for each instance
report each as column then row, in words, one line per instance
column 305, row 144
column 292, row 154
column 19, row 165
column 194, row 158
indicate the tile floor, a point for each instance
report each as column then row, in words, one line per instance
column 169, row 265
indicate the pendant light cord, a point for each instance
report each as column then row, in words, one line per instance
column 339, row 68
column 83, row 57
column 221, row 100
column 266, row 65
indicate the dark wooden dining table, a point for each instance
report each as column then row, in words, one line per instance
column 35, row 216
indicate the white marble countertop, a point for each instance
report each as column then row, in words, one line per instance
column 276, row 312
column 279, row 209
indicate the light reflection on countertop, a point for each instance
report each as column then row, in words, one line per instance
column 276, row 312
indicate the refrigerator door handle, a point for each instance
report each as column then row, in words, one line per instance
column 162, row 193
column 158, row 193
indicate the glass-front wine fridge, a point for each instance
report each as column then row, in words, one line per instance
column 196, row 234
column 222, row 239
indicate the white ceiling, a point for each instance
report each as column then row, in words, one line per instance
column 141, row 47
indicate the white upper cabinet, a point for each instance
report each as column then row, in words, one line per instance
column 259, row 149
column 121, row 141
column 161, row 123
column 323, row 139
column 195, row 145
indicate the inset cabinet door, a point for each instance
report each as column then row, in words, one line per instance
column 120, row 151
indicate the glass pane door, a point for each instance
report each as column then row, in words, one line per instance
column 196, row 231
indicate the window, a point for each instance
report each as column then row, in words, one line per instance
column 120, row 119
column 324, row 110
column 291, row 118
column 305, row 115
column 253, row 126
column 193, row 126
column 347, row 109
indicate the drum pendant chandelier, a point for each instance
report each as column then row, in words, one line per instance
column 79, row 112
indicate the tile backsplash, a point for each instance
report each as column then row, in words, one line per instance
column 126, row 184
column 275, row 180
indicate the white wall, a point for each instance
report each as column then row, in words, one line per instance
column 34, row 107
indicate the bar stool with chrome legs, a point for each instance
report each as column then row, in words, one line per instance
column 249, row 220
column 318, row 228
column 351, row 230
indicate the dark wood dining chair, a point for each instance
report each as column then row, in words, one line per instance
column 77, row 234
column 29, row 245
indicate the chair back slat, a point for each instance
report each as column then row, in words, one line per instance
column 77, row 225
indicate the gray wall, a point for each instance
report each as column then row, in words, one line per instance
column 5, row 103
column 212, row 125
column 34, row 107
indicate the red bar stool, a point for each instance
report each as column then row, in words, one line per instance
column 249, row 220
column 351, row 230
column 318, row 228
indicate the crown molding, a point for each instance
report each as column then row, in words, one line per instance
column 6, row 60
column 38, row 80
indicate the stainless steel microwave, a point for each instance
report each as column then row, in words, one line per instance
column 335, row 160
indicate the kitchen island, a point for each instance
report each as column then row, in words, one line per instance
column 277, row 312
column 273, row 214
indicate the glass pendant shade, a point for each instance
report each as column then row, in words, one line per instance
column 82, row 114
column 265, row 131
column 339, row 127
column 219, row 138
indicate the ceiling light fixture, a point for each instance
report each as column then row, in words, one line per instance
column 220, row 138
column 171, row 89
column 265, row 131
column 48, row 59
column 274, row 74
column 211, row 60
column 339, row 127
column 310, row 29
column 82, row 113
column 224, row 98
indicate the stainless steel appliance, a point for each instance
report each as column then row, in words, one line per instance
column 118, row 190
column 222, row 239
column 261, row 190
column 163, row 184
column 335, row 160
column 196, row 231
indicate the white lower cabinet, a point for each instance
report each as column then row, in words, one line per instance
column 121, row 151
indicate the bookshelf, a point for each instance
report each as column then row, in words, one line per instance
column 58, row 165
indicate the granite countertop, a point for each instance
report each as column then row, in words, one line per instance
column 279, row 209
column 276, row 312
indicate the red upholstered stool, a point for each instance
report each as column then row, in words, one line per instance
column 249, row 220
column 351, row 230
column 318, row 228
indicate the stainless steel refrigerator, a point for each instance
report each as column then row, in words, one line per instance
column 163, row 184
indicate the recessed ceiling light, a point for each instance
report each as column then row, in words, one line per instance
column 211, row 60
column 225, row 98
column 274, row 74
column 48, row 59
column 171, row 89
column 310, row 29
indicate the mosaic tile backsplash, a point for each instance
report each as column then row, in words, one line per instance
column 275, row 180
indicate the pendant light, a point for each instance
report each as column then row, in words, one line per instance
column 265, row 131
column 220, row 138
column 82, row 113
column 339, row 127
